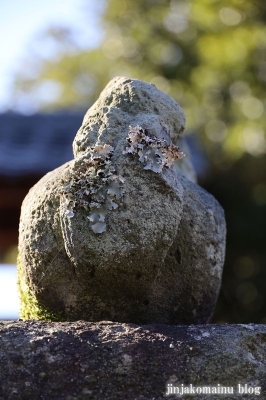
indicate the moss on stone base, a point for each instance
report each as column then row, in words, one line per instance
column 30, row 307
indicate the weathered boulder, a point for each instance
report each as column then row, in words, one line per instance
column 123, row 232
column 84, row 360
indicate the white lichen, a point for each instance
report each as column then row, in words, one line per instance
column 92, row 185
column 153, row 152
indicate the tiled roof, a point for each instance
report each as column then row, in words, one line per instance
column 37, row 143
column 42, row 142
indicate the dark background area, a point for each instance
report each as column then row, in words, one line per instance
column 242, row 296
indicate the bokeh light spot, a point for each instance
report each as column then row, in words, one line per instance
column 239, row 90
column 161, row 83
column 252, row 108
column 165, row 54
column 244, row 267
column 113, row 48
column 253, row 140
column 175, row 22
column 131, row 47
column 216, row 130
column 229, row 16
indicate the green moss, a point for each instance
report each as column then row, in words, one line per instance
column 30, row 307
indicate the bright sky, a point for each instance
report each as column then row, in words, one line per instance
column 9, row 298
column 22, row 20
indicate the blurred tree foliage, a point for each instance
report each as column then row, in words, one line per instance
column 210, row 55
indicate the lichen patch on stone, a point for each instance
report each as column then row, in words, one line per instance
column 92, row 185
column 153, row 152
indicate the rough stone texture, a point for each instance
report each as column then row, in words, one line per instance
column 105, row 360
column 161, row 257
column 128, row 101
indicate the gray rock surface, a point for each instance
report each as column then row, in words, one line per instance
column 105, row 360
column 152, row 251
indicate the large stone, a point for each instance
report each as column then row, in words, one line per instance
column 141, row 242
column 84, row 360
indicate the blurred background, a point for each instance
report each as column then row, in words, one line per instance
column 209, row 55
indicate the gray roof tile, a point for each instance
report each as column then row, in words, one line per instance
column 37, row 143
